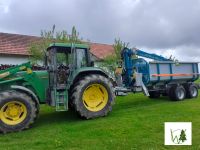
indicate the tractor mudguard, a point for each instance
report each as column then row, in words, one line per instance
column 27, row 91
column 88, row 70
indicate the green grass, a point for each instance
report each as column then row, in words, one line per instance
column 136, row 122
column 198, row 81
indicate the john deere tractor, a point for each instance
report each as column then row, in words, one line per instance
column 70, row 80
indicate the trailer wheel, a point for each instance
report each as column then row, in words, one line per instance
column 93, row 96
column 177, row 93
column 154, row 94
column 191, row 91
column 17, row 111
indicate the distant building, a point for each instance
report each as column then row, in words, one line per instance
column 14, row 48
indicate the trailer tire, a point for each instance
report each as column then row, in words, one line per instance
column 177, row 93
column 93, row 96
column 17, row 111
column 191, row 91
column 154, row 94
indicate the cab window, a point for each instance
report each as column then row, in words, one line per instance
column 81, row 58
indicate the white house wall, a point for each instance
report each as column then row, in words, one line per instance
column 12, row 60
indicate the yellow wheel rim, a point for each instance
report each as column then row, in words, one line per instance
column 95, row 97
column 13, row 113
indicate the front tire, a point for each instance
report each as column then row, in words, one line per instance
column 93, row 96
column 17, row 111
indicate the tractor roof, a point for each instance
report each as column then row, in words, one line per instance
column 67, row 45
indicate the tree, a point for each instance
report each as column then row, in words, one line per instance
column 119, row 45
column 182, row 136
column 38, row 48
column 111, row 61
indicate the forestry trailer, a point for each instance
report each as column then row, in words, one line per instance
column 161, row 76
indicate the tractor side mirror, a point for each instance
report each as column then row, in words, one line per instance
column 45, row 60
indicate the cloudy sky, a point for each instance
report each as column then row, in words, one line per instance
column 159, row 26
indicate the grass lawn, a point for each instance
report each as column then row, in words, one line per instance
column 198, row 81
column 136, row 122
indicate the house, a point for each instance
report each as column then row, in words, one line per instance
column 14, row 48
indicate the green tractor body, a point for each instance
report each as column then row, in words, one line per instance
column 70, row 80
column 19, row 79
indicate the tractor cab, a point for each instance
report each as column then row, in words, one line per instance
column 62, row 59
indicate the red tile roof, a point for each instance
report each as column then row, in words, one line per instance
column 16, row 44
column 101, row 50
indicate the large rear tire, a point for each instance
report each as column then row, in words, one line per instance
column 177, row 93
column 93, row 96
column 191, row 90
column 17, row 111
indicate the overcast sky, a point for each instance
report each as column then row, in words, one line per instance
column 159, row 26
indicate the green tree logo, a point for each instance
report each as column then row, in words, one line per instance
column 178, row 136
column 183, row 136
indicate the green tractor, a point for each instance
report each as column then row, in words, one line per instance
column 70, row 80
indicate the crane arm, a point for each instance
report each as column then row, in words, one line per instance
column 141, row 53
column 151, row 56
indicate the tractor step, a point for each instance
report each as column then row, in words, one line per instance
column 61, row 99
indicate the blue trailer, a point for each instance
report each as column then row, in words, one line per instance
column 161, row 76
